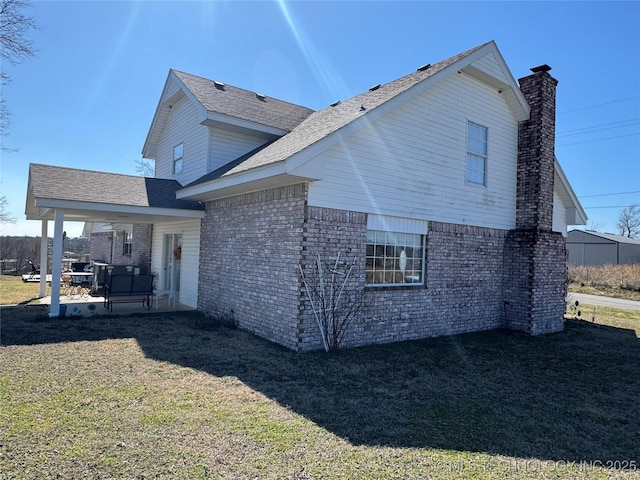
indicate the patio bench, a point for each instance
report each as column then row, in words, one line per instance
column 126, row 288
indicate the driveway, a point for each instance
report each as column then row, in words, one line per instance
column 603, row 301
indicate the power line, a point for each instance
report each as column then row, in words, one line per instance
column 599, row 139
column 600, row 104
column 608, row 194
column 599, row 128
column 610, row 206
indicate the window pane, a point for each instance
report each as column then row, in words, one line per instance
column 394, row 258
column 477, row 139
column 177, row 151
column 177, row 166
column 475, row 169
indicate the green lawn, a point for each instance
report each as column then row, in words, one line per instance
column 177, row 396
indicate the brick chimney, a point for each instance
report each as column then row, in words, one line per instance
column 534, row 282
column 536, row 139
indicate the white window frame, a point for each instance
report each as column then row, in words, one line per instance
column 477, row 154
column 391, row 260
column 178, row 158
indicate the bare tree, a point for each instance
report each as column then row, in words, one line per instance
column 629, row 222
column 5, row 217
column 145, row 168
column 14, row 44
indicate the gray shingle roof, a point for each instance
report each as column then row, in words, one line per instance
column 69, row 184
column 322, row 123
column 242, row 104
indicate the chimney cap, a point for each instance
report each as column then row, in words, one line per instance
column 541, row 68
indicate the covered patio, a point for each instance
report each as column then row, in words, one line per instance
column 61, row 194
column 89, row 305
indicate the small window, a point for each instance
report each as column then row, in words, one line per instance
column 128, row 243
column 178, row 151
column 476, row 173
column 394, row 259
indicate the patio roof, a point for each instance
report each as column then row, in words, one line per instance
column 92, row 196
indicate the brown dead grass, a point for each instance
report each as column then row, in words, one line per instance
column 178, row 396
column 619, row 281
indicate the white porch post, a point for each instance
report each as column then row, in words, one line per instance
column 56, row 262
column 43, row 259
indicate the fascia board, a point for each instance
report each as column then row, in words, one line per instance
column 149, row 149
column 107, row 207
column 232, row 180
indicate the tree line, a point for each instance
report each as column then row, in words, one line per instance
column 16, row 252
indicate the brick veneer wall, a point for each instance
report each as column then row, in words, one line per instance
column 250, row 249
column 141, row 246
column 328, row 233
column 535, row 288
column 251, row 246
column 100, row 246
column 463, row 291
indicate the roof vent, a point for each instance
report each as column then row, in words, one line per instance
column 335, row 104
column 261, row 96
column 424, row 67
column 375, row 87
column 219, row 85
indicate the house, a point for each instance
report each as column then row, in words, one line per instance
column 595, row 248
column 442, row 186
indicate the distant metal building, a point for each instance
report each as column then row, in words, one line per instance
column 595, row 248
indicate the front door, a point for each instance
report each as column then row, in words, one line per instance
column 172, row 258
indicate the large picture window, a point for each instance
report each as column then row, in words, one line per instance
column 394, row 259
column 476, row 173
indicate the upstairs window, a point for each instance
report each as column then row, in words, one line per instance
column 476, row 173
column 178, row 152
column 394, row 259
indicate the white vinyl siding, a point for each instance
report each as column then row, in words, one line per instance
column 227, row 145
column 183, row 127
column 559, row 220
column 489, row 64
column 190, row 259
column 411, row 162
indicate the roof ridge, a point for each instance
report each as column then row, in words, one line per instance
column 90, row 171
column 225, row 85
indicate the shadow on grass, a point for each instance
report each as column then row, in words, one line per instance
column 571, row 396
